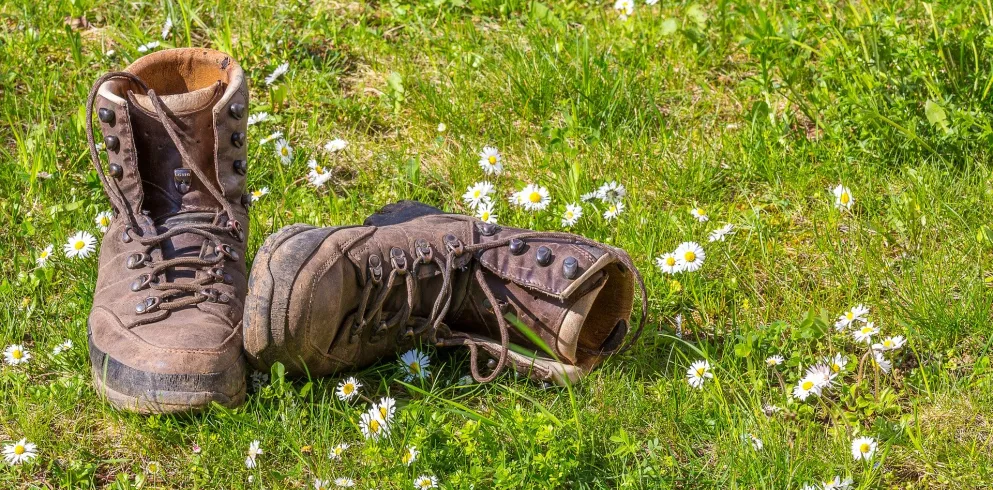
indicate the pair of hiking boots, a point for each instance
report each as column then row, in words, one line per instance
column 176, row 315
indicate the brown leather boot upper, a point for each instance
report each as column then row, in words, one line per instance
column 165, row 328
column 325, row 300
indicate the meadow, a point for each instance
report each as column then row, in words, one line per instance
column 846, row 143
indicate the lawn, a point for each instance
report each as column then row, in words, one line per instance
column 754, row 112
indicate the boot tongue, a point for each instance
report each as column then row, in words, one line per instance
column 185, row 244
column 181, row 103
column 573, row 321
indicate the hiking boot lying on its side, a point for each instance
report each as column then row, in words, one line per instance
column 324, row 300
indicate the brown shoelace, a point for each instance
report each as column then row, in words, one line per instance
column 173, row 295
column 434, row 328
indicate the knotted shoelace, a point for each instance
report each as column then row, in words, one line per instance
column 434, row 328
column 172, row 295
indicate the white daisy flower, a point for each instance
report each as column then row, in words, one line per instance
column 668, row 263
column 343, row 482
column 257, row 117
column 698, row 373
column 442, row 127
column 20, row 452
column 275, row 135
column 338, row 451
column 865, row 333
column 16, row 354
column 320, row 484
column 613, row 210
column 571, row 215
column 319, row 174
column 625, row 8
column 416, row 363
column 144, row 48
column 348, row 389
column 153, row 468
column 424, row 482
column 278, row 72
column 103, row 221
column 253, row 453
column 756, row 442
column 259, row 193
column 821, row 374
column 690, row 256
column 43, row 256
column 490, row 161
column 843, row 199
column 721, row 233
column 890, row 343
column 700, row 214
column 774, row 360
column 166, row 28
column 836, row 363
column 611, row 192
column 477, row 193
column 485, row 213
column 517, row 199
column 589, row 196
column 410, row 455
column 259, row 380
column 110, row 53
column 386, row 408
column 863, row 448
column 857, row 314
column 80, row 245
column 806, row 387
column 884, row 364
column 837, row 484
column 372, row 426
column 64, row 346
column 284, row 151
column 534, row 197
column 335, row 145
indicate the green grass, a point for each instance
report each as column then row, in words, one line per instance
column 752, row 110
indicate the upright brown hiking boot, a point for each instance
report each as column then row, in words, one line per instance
column 165, row 328
column 323, row 300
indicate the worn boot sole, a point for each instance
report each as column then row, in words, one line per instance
column 143, row 392
column 267, row 301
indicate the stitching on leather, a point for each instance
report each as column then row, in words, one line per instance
column 519, row 280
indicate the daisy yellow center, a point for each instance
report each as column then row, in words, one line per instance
column 492, row 159
column 374, row 426
column 17, row 354
column 415, row 367
column 19, row 449
column 534, row 197
column 425, row 484
column 486, row 215
column 78, row 245
column 700, row 371
column 348, row 388
column 835, row 367
column 845, row 198
column 568, row 215
column 613, row 208
column 849, row 315
column 338, row 451
column 406, row 458
column 285, row 151
column 476, row 193
column 864, row 447
column 153, row 468
column 866, row 330
column 887, row 343
column 807, row 385
column 319, row 169
column 699, row 212
column 771, row 362
column 690, row 256
column 257, row 194
column 670, row 261
column 44, row 253
column 383, row 411
column 104, row 221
